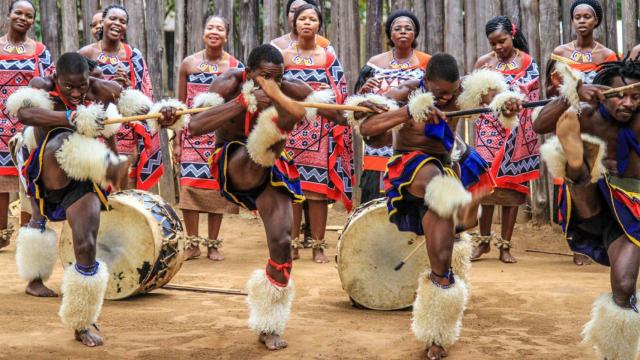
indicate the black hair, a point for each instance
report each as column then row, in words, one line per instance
column 264, row 53
column 402, row 13
column 502, row 23
column 14, row 2
column 100, row 33
column 595, row 4
column 442, row 66
column 302, row 9
column 227, row 26
column 626, row 68
column 72, row 63
column 290, row 2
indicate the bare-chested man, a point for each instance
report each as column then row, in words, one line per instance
column 67, row 174
column 251, row 127
column 426, row 197
column 596, row 151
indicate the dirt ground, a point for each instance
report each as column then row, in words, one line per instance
column 532, row 310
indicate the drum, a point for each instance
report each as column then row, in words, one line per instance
column 140, row 239
column 369, row 248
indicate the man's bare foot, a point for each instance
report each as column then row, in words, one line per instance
column 214, row 254
column 118, row 174
column 279, row 99
column 192, row 253
column 581, row 260
column 507, row 258
column 295, row 254
column 319, row 256
column 468, row 214
column 273, row 341
column 4, row 243
column 37, row 288
column 435, row 352
column 568, row 133
column 480, row 250
column 88, row 338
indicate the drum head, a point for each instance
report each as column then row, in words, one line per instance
column 368, row 251
column 128, row 242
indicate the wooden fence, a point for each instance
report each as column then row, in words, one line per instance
column 453, row 26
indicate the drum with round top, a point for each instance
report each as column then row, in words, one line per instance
column 369, row 248
column 140, row 239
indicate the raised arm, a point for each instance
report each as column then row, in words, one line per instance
column 300, row 91
column 226, row 86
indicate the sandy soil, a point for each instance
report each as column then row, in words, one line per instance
column 532, row 310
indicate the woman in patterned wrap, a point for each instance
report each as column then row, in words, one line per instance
column 21, row 59
column 513, row 154
column 124, row 64
column 199, row 192
column 322, row 152
column 381, row 74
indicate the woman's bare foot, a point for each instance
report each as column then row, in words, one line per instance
column 436, row 352
column 273, row 341
column 214, row 254
column 88, row 338
column 295, row 254
column 507, row 258
column 480, row 250
column 37, row 288
column 319, row 256
column 192, row 253
column 581, row 260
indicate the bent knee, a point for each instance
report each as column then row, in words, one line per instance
column 624, row 287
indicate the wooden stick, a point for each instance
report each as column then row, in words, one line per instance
column 548, row 252
column 406, row 258
column 204, row 290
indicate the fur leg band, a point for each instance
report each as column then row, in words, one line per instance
column 359, row 99
column 498, row 103
column 35, row 253
column 553, row 155
column 444, row 195
column 269, row 305
column 27, row 97
column 183, row 120
column 478, row 84
column 437, row 312
column 613, row 331
column 264, row 135
column 420, row 104
column 82, row 296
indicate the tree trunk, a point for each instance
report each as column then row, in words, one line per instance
column 567, row 24
column 224, row 8
column 629, row 25
column 470, row 28
column 374, row 27
column 248, row 29
column 195, row 18
column 610, row 25
column 485, row 10
column 401, row 4
column 435, row 26
column 453, row 34
column 511, row 9
column 50, row 33
column 69, row 26
column 420, row 9
column 136, row 27
column 180, row 40
column 271, row 23
column 531, row 19
column 89, row 8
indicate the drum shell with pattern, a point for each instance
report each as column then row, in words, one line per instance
column 369, row 249
column 140, row 239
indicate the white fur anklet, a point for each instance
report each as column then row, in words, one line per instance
column 269, row 305
column 35, row 253
column 82, row 297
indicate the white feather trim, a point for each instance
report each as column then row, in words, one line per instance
column 478, row 84
column 111, row 113
column 82, row 297
column 613, row 331
column 269, row 305
column 247, row 92
column 206, row 99
column 182, row 121
column 498, row 103
column 437, row 313
column 553, row 155
column 444, row 195
column 27, row 97
column 356, row 100
column 35, row 253
column 264, row 135
column 133, row 102
column 420, row 104
column 323, row 96
column 570, row 82
column 29, row 136
column 89, row 120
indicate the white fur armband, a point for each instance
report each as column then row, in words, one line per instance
column 182, row 121
column 554, row 156
column 247, row 93
column 133, row 102
column 570, row 81
column 420, row 104
column 323, row 96
column 478, row 84
column 207, row 99
column 444, row 195
column 356, row 100
column 264, row 135
column 497, row 105
column 27, row 97
column 89, row 120
column 111, row 113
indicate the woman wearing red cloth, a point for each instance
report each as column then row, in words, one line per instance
column 21, row 59
column 199, row 192
column 513, row 154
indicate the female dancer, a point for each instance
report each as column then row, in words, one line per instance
column 198, row 190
